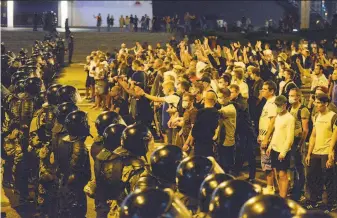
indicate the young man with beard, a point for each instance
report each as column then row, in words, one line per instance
column 280, row 145
column 228, row 118
column 302, row 116
column 319, row 170
column 266, row 125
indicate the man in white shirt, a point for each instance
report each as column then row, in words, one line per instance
column 171, row 100
column 319, row 79
column 280, row 145
column 266, row 124
column 317, row 159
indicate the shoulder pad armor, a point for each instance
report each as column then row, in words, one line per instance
column 103, row 155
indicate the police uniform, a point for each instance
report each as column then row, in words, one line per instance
column 116, row 176
column 73, row 173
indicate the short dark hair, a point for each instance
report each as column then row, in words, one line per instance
column 297, row 90
column 234, row 86
column 185, row 85
column 291, row 73
column 271, row 85
column 225, row 91
column 190, row 96
column 324, row 98
column 227, row 78
column 256, row 72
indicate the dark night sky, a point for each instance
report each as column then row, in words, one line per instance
column 257, row 11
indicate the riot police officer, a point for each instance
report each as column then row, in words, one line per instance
column 47, row 114
column 102, row 122
column 126, row 164
column 270, row 206
column 207, row 187
column 228, row 204
column 73, row 166
column 191, row 172
column 59, row 131
column 111, row 135
column 68, row 94
column 43, row 158
column 164, row 162
column 155, row 203
column 20, row 111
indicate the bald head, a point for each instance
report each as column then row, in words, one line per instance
column 210, row 99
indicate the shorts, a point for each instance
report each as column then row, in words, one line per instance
column 265, row 161
column 101, row 87
column 277, row 164
column 90, row 81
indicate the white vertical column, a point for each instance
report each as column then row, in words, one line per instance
column 10, row 13
column 64, row 12
column 305, row 14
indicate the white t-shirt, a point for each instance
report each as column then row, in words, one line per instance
column 323, row 133
column 283, row 136
column 268, row 112
column 319, row 81
column 229, row 120
column 172, row 99
column 244, row 90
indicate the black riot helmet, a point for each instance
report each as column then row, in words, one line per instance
column 147, row 182
column 112, row 136
column 316, row 214
column 107, row 118
column 67, row 94
column 76, row 124
column 207, row 187
column 269, row 206
column 229, row 197
column 33, row 85
column 52, row 94
column 153, row 203
column 19, row 86
column 18, row 76
column 63, row 110
column 192, row 171
column 136, row 139
column 164, row 162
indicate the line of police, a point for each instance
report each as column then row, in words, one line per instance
column 43, row 136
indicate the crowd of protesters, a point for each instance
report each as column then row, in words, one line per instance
column 227, row 101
